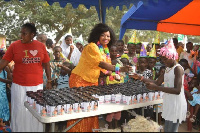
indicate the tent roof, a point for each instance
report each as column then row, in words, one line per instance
column 147, row 17
column 100, row 5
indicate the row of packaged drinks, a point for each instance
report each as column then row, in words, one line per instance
column 85, row 99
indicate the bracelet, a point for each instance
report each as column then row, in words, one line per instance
column 142, row 78
column 117, row 68
column 49, row 81
column 106, row 72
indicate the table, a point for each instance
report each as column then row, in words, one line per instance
column 103, row 109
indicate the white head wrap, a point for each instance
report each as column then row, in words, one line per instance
column 66, row 50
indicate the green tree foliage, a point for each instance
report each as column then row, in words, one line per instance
column 56, row 19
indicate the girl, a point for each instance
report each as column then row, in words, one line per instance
column 120, row 47
column 5, row 77
column 131, row 54
column 174, row 102
column 193, row 98
column 115, row 117
column 63, row 80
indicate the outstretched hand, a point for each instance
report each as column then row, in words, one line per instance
column 135, row 76
column 48, row 86
column 151, row 86
column 126, row 68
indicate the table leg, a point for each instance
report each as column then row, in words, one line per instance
column 68, row 128
column 44, row 127
column 142, row 111
column 53, row 127
column 157, row 113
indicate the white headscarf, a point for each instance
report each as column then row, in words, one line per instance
column 66, row 50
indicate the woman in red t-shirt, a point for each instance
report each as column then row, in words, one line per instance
column 29, row 56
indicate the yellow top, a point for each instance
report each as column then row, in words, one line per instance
column 179, row 51
column 88, row 66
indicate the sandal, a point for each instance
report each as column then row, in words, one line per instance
column 193, row 118
column 187, row 114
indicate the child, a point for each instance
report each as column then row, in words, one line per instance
column 120, row 47
column 186, row 54
column 5, row 78
column 49, row 48
column 138, row 48
column 63, row 80
column 111, row 80
column 193, row 98
column 160, row 106
column 174, row 102
column 142, row 68
column 58, row 60
column 152, row 62
column 187, row 78
column 196, row 63
column 131, row 54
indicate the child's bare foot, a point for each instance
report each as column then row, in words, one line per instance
column 193, row 118
column 188, row 114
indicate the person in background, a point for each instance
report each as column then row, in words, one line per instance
column 187, row 77
column 5, row 78
column 65, row 72
column 131, row 54
column 148, row 48
column 180, row 44
column 193, row 98
column 113, row 54
column 79, row 44
column 152, row 62
column 125, row 49
column 160, row 106
column 114, row 117
column 174, row 102
column 137, row 49
column 29, row 56
column 95, row 57
column 42, row 38
column 120, row 47
column 196, row 64
column 49, row 47
column 70, row 51
column 179, row 49
column 187, row 54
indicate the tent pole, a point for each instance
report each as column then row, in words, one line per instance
column 100, row 12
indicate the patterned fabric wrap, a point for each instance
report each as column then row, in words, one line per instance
column 86, row 124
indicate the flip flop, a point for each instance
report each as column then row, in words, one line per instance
column 193, row 118
column 187, row 114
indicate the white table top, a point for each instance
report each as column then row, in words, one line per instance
column 103, row 109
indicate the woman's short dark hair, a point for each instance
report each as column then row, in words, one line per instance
column 31, row 27
column 98, row 30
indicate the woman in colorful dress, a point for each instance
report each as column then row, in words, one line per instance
column 95, row 58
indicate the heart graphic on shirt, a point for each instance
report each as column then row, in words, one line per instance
column 34, row 52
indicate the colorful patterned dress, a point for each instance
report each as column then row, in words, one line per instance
column 4, row 106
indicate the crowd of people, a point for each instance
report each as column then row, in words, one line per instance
column 31, row 65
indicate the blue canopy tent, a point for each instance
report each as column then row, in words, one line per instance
column 147, row 16
column 100, row 5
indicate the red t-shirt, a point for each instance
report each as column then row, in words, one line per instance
column 28, row 58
